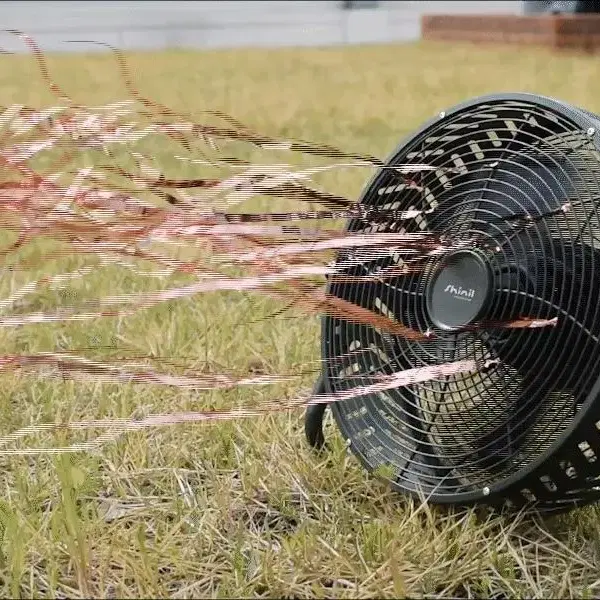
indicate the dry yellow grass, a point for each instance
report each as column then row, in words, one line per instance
column 244, row 509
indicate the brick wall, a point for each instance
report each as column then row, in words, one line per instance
column 579, row 32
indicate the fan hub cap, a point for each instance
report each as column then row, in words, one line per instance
column 459, row 290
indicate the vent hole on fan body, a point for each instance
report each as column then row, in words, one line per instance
column 587, row 451
column 528, row 495
column 571, row 472
column 548, row 483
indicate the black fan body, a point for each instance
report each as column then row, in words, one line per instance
column 512, row 184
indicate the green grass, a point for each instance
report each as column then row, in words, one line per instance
column 244, row 509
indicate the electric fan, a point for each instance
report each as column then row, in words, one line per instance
column 512, row 182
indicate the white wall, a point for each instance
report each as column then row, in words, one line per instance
column 227, row 23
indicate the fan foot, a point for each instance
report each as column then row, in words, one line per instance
column 313, row 419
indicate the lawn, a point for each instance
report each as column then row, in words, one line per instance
column 244, row 509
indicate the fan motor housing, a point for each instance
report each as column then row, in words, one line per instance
column 513, row 181
column 458, row 293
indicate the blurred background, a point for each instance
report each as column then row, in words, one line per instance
column 152, row 25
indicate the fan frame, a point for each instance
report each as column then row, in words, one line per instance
column 509, row 491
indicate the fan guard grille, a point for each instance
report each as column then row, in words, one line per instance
column 515, row 178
